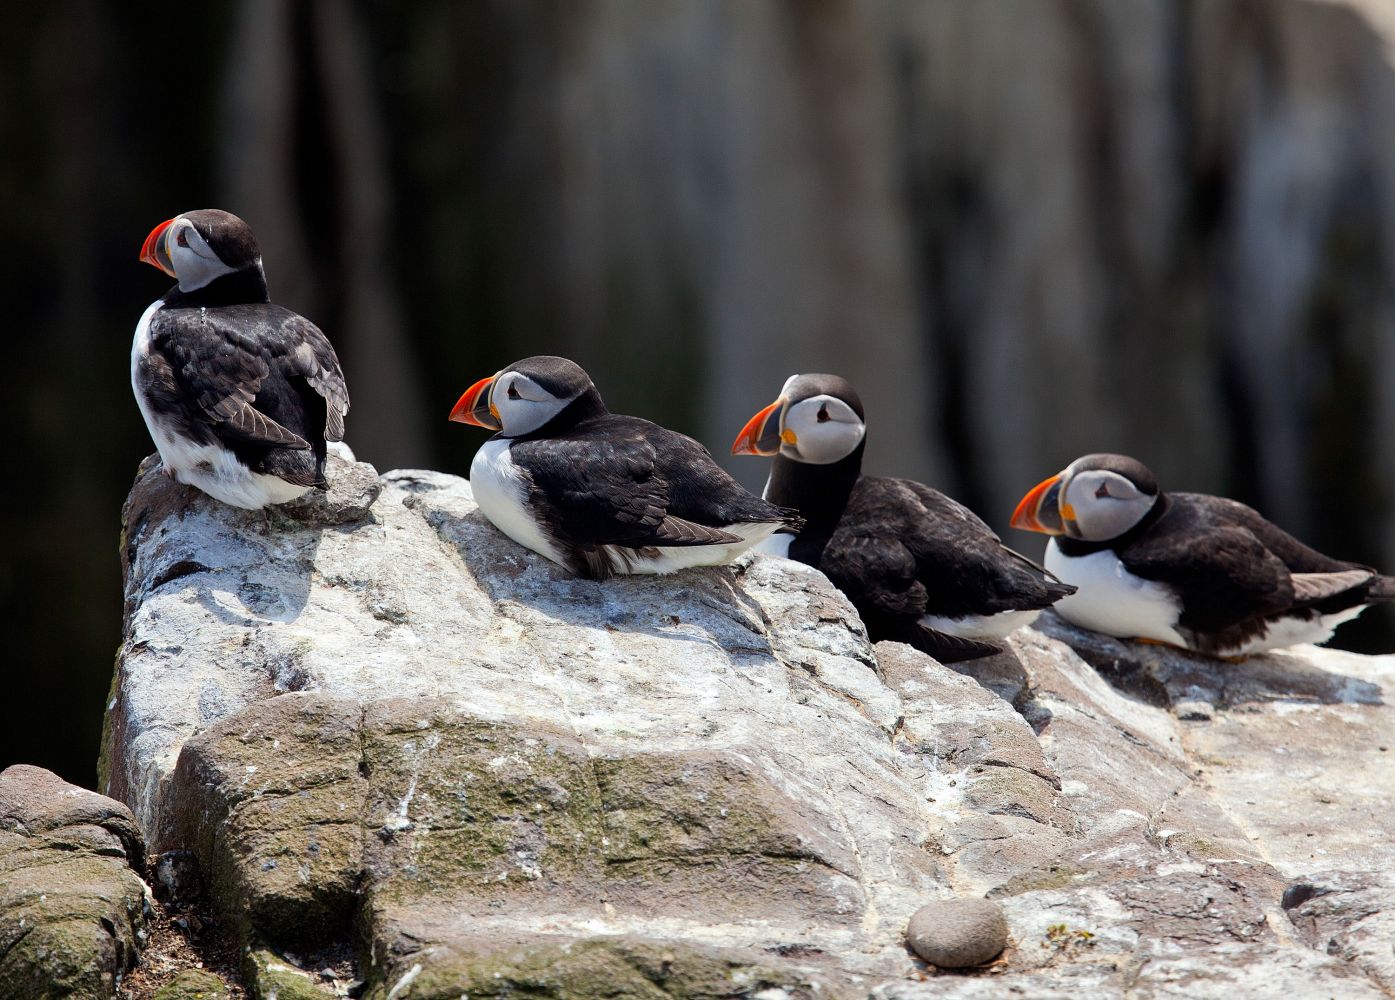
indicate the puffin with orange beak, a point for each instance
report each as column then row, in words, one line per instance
column 597, row 492
column 919, row 567
column 239, row 395
column 1199, row 572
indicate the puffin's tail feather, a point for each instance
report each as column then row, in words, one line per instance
column 791, row 519
column 1311, row 588
column 1053, row 587
column 295, row 465
column 1382, row 589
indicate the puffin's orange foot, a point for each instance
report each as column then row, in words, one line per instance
column 1147, row 641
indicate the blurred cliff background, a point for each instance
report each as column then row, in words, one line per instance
column 1027, row 229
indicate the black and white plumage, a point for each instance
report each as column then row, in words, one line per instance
column 919, row 567
column 600, row 493
column 240, row 395
column 1199, row 572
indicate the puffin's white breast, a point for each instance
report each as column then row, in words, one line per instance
column 1112, row 600
column 777, row 544
column 501, row 490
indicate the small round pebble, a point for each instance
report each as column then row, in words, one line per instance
column 957, row 933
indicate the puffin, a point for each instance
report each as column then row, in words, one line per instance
column 919, row 567
column 1202, row 573
column 239, row 395
column 596, row 492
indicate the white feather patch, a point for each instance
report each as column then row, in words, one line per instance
column 502, row 494
column 1112, row 600
column 990, row 627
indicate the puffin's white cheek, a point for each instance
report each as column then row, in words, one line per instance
column 193, row 270
column 523, row 416
column 829, row 442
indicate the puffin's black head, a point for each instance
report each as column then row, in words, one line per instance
column 1095, row 498
column 198, row 247
column 524, row 396
column 818, row 420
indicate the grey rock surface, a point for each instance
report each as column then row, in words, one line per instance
column 957, row 933
column 72, row 908
column 400, row 728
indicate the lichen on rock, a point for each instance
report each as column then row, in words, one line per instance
column 72, row 908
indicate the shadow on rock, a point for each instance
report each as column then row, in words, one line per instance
column 1190, row 684
column 620, row 604
column 233, row 562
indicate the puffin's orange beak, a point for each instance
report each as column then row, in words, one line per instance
column 153, row 252
column 475, row 408
column 761, row 435
column 1040, row 510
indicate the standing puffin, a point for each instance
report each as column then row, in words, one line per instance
column 596, row 492
column 240, row 395
column 919, row 567
column 1200, row 572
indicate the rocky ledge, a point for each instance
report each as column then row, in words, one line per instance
column 375, row 721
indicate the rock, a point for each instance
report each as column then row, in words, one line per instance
column 596, row 967
column 353, row 486
column 272, row 977
column 193, row 984
column 407, row 737
column 72, row 908
column 958, row 933
column 1348, row 914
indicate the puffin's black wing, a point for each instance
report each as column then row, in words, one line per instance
column 1222, row 574
column 1228, row 565
column 624, row 481
column 878, row 574
column 959, row 565
column 260, row 379
column 902, row 551
column 965, row 566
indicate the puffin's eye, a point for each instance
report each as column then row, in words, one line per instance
column 823, row 414
column 181, row 238
column 1103, row 491
column 513, row 391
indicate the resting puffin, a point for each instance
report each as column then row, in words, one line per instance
column 1200, row 572
column 919, row 567
column 240, row 395
column 596, row 492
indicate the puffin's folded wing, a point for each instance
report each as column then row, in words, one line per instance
column 879, row 575
column 307, row 352
column 244, row 422
column 876, row 572
column 676, row 531
column 953, row 545
column 1223, row 574
column 604, row 494
column 222, row 372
